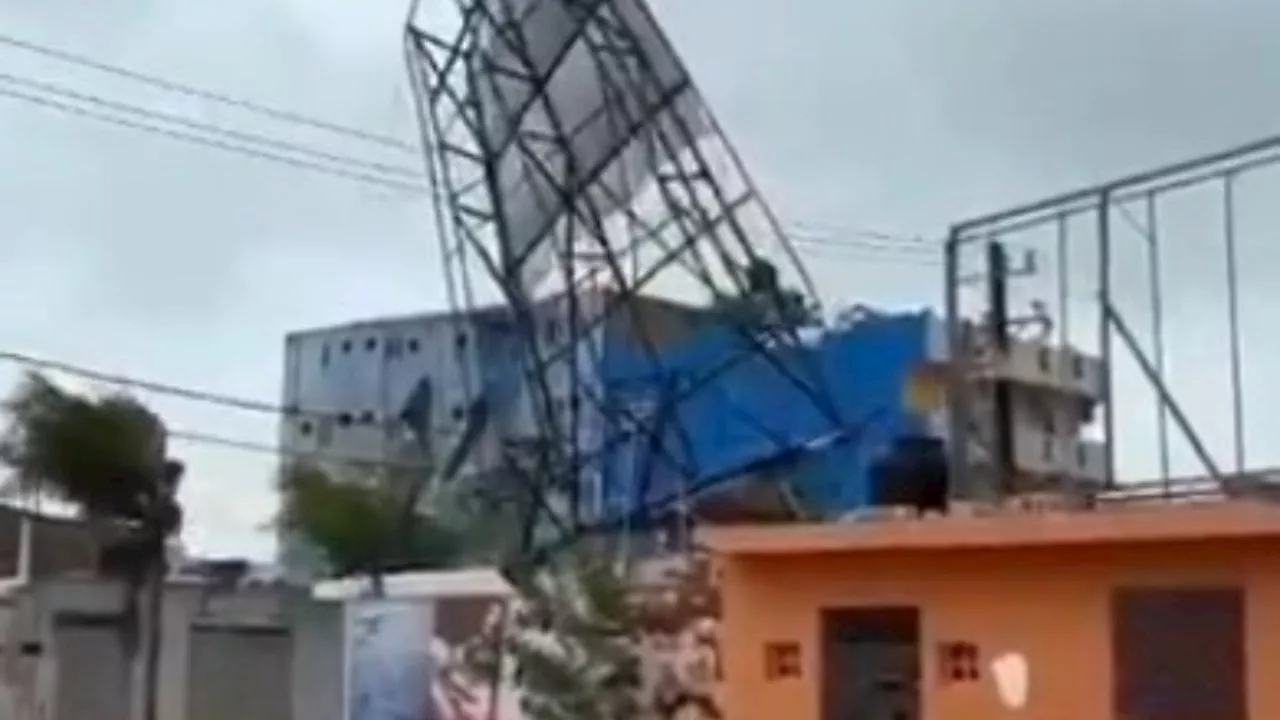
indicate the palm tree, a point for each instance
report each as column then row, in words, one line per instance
column 105, row 455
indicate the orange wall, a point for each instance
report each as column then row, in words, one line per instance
column 1050, row 605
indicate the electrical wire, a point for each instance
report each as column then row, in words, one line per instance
column 856, row 254
column 195, row 139
column 213, row 398
column 279, row 451
column 173, row 86
column 266, row 140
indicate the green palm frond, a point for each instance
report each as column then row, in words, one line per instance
column 101, row 454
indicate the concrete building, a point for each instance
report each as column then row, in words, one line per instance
column 696, row 406
column 396, row 390
column 1163, row 610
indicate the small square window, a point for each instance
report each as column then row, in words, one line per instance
column 458, row 412
column 371, row 344
column 305, row 427
column 346, row 346
column 958, row 662
column 413, row 345
column 344, row 419
column 781, row 660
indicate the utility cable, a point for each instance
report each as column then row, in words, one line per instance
column 266, row 140
column 209, row 95
column 214, row 398
column 195, row 139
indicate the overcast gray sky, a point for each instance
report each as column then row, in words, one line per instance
column 139, row 255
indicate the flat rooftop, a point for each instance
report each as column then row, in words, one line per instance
column 1156, row 523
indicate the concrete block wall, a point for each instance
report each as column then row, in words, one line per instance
column 252, row 654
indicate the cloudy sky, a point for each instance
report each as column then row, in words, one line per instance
column 136, row 254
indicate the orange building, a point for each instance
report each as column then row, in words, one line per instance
column 1142, row 613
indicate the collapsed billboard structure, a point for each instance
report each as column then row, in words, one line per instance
column 578, row 172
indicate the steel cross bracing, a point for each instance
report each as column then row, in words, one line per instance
column 696, row 226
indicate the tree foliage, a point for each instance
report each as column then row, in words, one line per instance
column 572, row 642
column 360, row 523
column 106, row 456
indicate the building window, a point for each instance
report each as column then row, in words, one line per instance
column 305, row 427
column 781, row 660
column 1042, row 360
column 1178, row 653
column 324, row 355
column 958, row 662
column 458, row 413
column 368, row 417
column 344, row 419
column 346, row 346
column 371, row 344
column 460, row 342
column 413, row 345
column 393, row 347
column 1077, row 367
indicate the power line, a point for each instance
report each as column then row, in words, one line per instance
column 196, row 92
column 195, row 139
column 266, row 140
column 278, row 451
column 159, row 388
column 213, row 398
column 865, row 239
column 854, row 253
column 846, row 232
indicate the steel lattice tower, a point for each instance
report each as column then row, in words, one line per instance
column 575, row 169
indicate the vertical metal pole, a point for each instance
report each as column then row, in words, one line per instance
column 959, row 473
column 1002, row 415
column 1157, row 336
column 1064, row 284
column 1104, row 333
column 1233, row 319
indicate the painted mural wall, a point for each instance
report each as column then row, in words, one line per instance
column 411, row 659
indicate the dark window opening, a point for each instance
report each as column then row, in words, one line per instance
column 367, row 417
column 324, row 355
column 958, row 662
column 413, row 345
column 1178, row 653
column 346, row 346
column 344, row 419
column 460, row 341
column 305, row 427
column 781, row 660
column 371, row 344
column 458, row 412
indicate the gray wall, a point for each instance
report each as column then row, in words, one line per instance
column 255, row 654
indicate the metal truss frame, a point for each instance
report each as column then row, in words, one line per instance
column 698, row 218
column 1135, row 201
